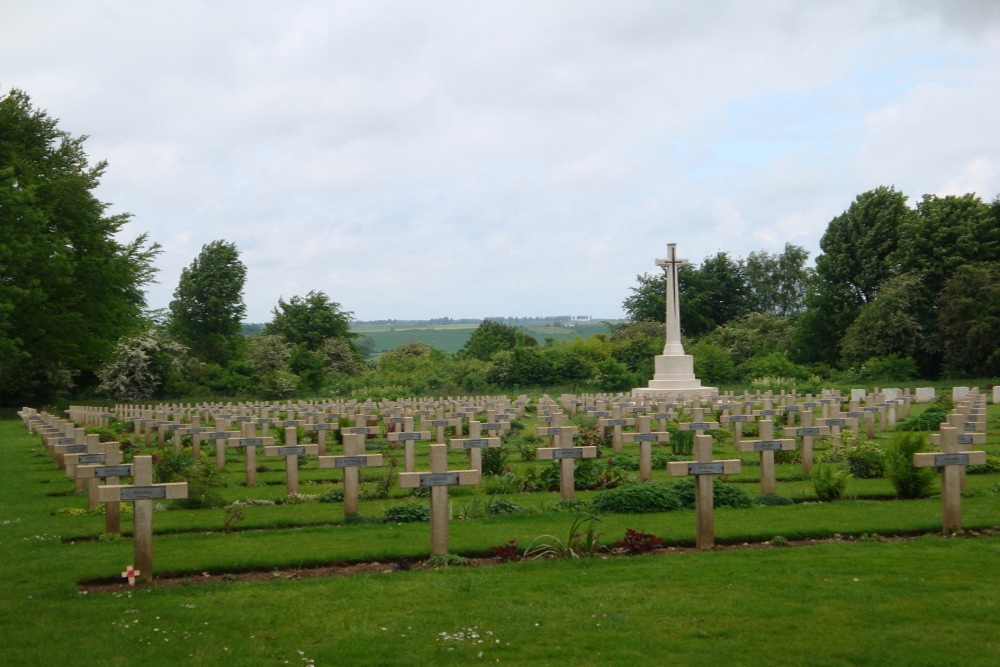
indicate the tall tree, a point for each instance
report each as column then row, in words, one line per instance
column 969, row 321
column 68, row 290
column 491, row 337
column 207, row 308
column 776, row 283
column 310, row 321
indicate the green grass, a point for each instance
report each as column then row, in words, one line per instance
column 925, row 601
column 451, row 337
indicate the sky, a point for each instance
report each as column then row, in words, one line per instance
column 421, row 159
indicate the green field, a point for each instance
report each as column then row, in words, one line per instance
column 927, row 600
column 451, row 337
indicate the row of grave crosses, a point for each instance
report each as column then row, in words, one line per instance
column 90, row 461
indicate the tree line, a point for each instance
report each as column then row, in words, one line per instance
column 896, row 293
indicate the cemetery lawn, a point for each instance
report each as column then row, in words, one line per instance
column 922, row 601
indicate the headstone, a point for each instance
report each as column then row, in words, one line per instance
column 952, row 460
column 703, row 468
column 141, row 493
column 958, row 393
column 439, row 479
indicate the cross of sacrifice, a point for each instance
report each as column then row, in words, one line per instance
column 408, row 436
column 564, row 452
column 704, row 494
column 291, row 451
column 645, row 436
column 249, row 444
column 130, row 573
column 141, row 493
column 439, row 479
column 767, row 446
column 475, row 444
column 672, row 264
column 952, row 460
column 354, row 457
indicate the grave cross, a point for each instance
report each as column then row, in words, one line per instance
column 109, row 470
column 807, row 432
column 408, row 436
column 616, row 422
column 354, row 457
column 704, row 497
column 291, row 451
column 645, row 437
column 439, row 479
column 951, row 461
column 475, row 444
column 673, row 344
column 321, row 427
column 249, row 444
column 141, row 493
column 565, row 453
column 767, row 446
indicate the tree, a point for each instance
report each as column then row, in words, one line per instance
column 888, row 325
column 310, row 321
column 776, row 284
column 68, row 290
column 491, row 337
column 141, row 366
column 207, row 309
column 969, row 321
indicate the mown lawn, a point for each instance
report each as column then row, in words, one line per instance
column 927, row 600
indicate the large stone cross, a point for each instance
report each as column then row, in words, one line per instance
column 671, row 264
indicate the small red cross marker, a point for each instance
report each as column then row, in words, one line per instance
column 130, row 573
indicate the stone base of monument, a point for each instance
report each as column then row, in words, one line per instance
column 674, row 377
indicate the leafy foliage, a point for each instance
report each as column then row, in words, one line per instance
column 909, row 480
column 406, row 513
column 69, row 290
column 725, row 494
column 310, row 321
column 637, row 498
column 207, row 307
column 969, row 320
column 635, row 542
column 141, row 366
column 829, row 481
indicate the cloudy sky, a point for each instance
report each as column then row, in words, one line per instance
column 424, row 159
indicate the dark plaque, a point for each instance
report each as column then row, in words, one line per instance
column 320, row 427
column 662, row 415
column 969, row 426
column 739, row 418
column 855, row 415
column 113, row 471
column 792, row 408
column 705, row 468
column 76, row 449
column 397, row 420
column 293, row 450
column 699, row 426
column 291, row 422
column 551, row 430
column 951, row 460
column 359, row 430
column 645, row 437
column 491, row 426
column 350, row 461
column 439, row 479
column 836, row 422
column 475, row 443
column 806, row 431
column 262, row 420
column 567, row 453
column 768, row 412
column 144, row 493
column 441, row 422
column 90, row 458
column 965, row 439
column 617, row 422
column 197, row 429
column 65, row 441
column 767, row 446
column 408, row 435
column 251, row 442
column 219, row 435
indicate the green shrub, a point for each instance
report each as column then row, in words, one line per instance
column 928, row 420
column 636, row 498
column 334, row 495
column 991, row 466
column 829, row 481
column 725, row 494
column 681, row 442
column 909, row 480
column 630, row 460
column 202, row 477
column 865, row 459
column 771, row 499
column 407, row 513
column 494, row 460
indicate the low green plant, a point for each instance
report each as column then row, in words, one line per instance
column 231, row 516
column 928, row 420
column 829, row 481
column 495, row 461
column 992, row 466
column 334, row 495
column 908, row 480
column 406, row 513
column 779, row 541
column 772, row 499
column 637, row 498
column 447, row 560
column 681, row 442
column 725, row 494
column 583, row 542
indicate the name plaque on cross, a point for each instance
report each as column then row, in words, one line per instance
column 807, row 431
column 474, row 443
column 321, row 427
column 951, row 460
column 767, row 445
column 567, row 453
column 91, row 458
column 350, row 461
column 836, row 422
column 409, row 435
column 739, row 419
column 439, row 479
column 645, row 437
column 144, row 493
column 706, row 468
column 113, row 471
column 617, row 422
column 359, row 430
column 76, row 449
column 251, row 442
column 293, row 450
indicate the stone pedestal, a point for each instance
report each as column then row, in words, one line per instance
column 674, row 376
